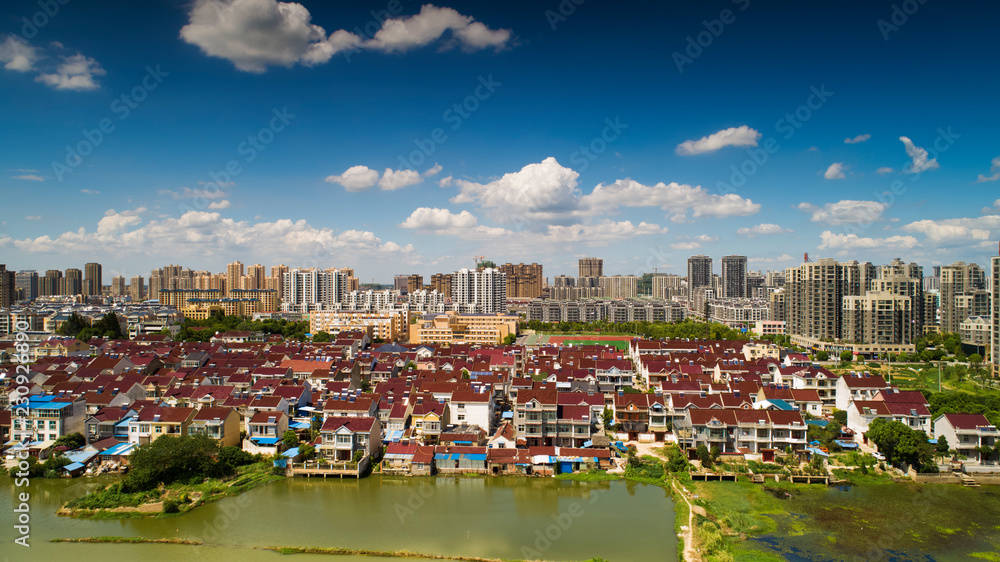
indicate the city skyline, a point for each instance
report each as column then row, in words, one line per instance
column 471, row 130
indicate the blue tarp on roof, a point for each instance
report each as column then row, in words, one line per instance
column 781, row 404
column 508, row 415
column 818, row 423
column 442, row 457
column 265, row 440
column 293, row 452
column 474, row 456
column 81, row 456
column 393, row 436
column 299, row 425
column 816, row 451
column 846, row 444
column 587, row 444
column 72, row 466
column 119, row 449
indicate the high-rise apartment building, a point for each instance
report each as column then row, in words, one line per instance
column 49, row 285
column 137, row 289
column 905, row 283
column 734, row 277
column 311, row 289
column 486, row 288
column 258, row 278
column 8, row 287
column 814, row 295
column 71, row 283
column 699, row 275
column 666, row 286
column 234, row 273
column 399, row 283
column 414, row 282
column 962, row 286
column 879, row 317
column 93, row 279
column 441, row 282
column 27, row 281
column 620, row 286
column 118, row 286
column 756, row 285
column 524, row 281
column 591, row 267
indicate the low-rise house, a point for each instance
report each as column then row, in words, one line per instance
column 265, row 431
column 153, row 421
column 48, row 417
column 971, row 435
column 342, row 437
column 861, row 413
column 751, row 430
column 428, row 418
column 474, row 407
column 221, row 424
column 858, row 387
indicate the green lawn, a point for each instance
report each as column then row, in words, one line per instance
column 620, row 345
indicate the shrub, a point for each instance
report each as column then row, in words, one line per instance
column 171, row 506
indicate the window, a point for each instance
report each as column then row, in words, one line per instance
column 343, row 439
column 159, row 429
column 52, row 424
column 461, row 417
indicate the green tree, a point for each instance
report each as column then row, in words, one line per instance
column 290, row 439
column 942, row 445
column 846, row 356
column 822, row 355
column 704, row 456
column 307, row 451
column 511, row 339
column 168, row 459
column 321, row 337
column 976, row 360
column 608, row 417
column 70, row 441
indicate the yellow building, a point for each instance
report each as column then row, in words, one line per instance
column 455, row 328
column 390, row 325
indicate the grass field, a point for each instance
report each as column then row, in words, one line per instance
column 621, row 345
column 620, row 342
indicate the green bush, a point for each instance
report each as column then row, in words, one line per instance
column 171, row 506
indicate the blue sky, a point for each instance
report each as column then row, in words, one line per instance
column 522, row 131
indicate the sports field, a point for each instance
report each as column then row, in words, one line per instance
column 620, row 342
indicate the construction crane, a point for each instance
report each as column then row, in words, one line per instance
column 478, row 259
column 805, row 258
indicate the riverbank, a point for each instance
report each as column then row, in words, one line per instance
column 127, row 540
column 166, row 501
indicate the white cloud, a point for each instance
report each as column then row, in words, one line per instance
column 783, row 258
column 90, row 191
column 884, row 170
column 217, row 205
column 355, row 178
column 17, row 55
column 433, row 171
column 114, row 222
column 762, row 229
column 832, row 241
column 994, row 169
column 960, row 230
column 919, row 162
column 255, row 34
column 673, row 197
column 29, row 177
column 858, row 139
column 599, row 234
column 733, row 136
column 33, row 218
column 835, row 171
column 427, row 218
column 402, row 34
column 845, row 212
column 685, row 245
column 201, row 233
column 542, row 192
column 188, row 193
column 77, row 72
column 399, row 179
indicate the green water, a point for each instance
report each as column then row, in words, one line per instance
column 878, row 521
column 490, row 517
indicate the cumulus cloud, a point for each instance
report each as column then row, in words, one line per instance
column 399, row 179
column 858, row 139
column 884, row 170
column 188, row 193
column 762, row 229
column 17, row 55
column 255, row 34
column 685, row 245
column 77, row 72
column 542, row 192
column 835, row 171
column 918, row 156
column 994, row 170
column 29, row 177
column 33, row 218
column 676, row 198
column 90, row 191
column 960, row 230
column 433, row 170
column 601, row 233
column 783, row 258
column 356, row 178
column 217, row 205
column 202, row 233
column 845, row 212
column 733, row 136
column 832, row 241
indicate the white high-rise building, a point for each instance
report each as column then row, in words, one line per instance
column 484, row 288
column 306, row 290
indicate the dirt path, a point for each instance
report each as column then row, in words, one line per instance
column 690, row 553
